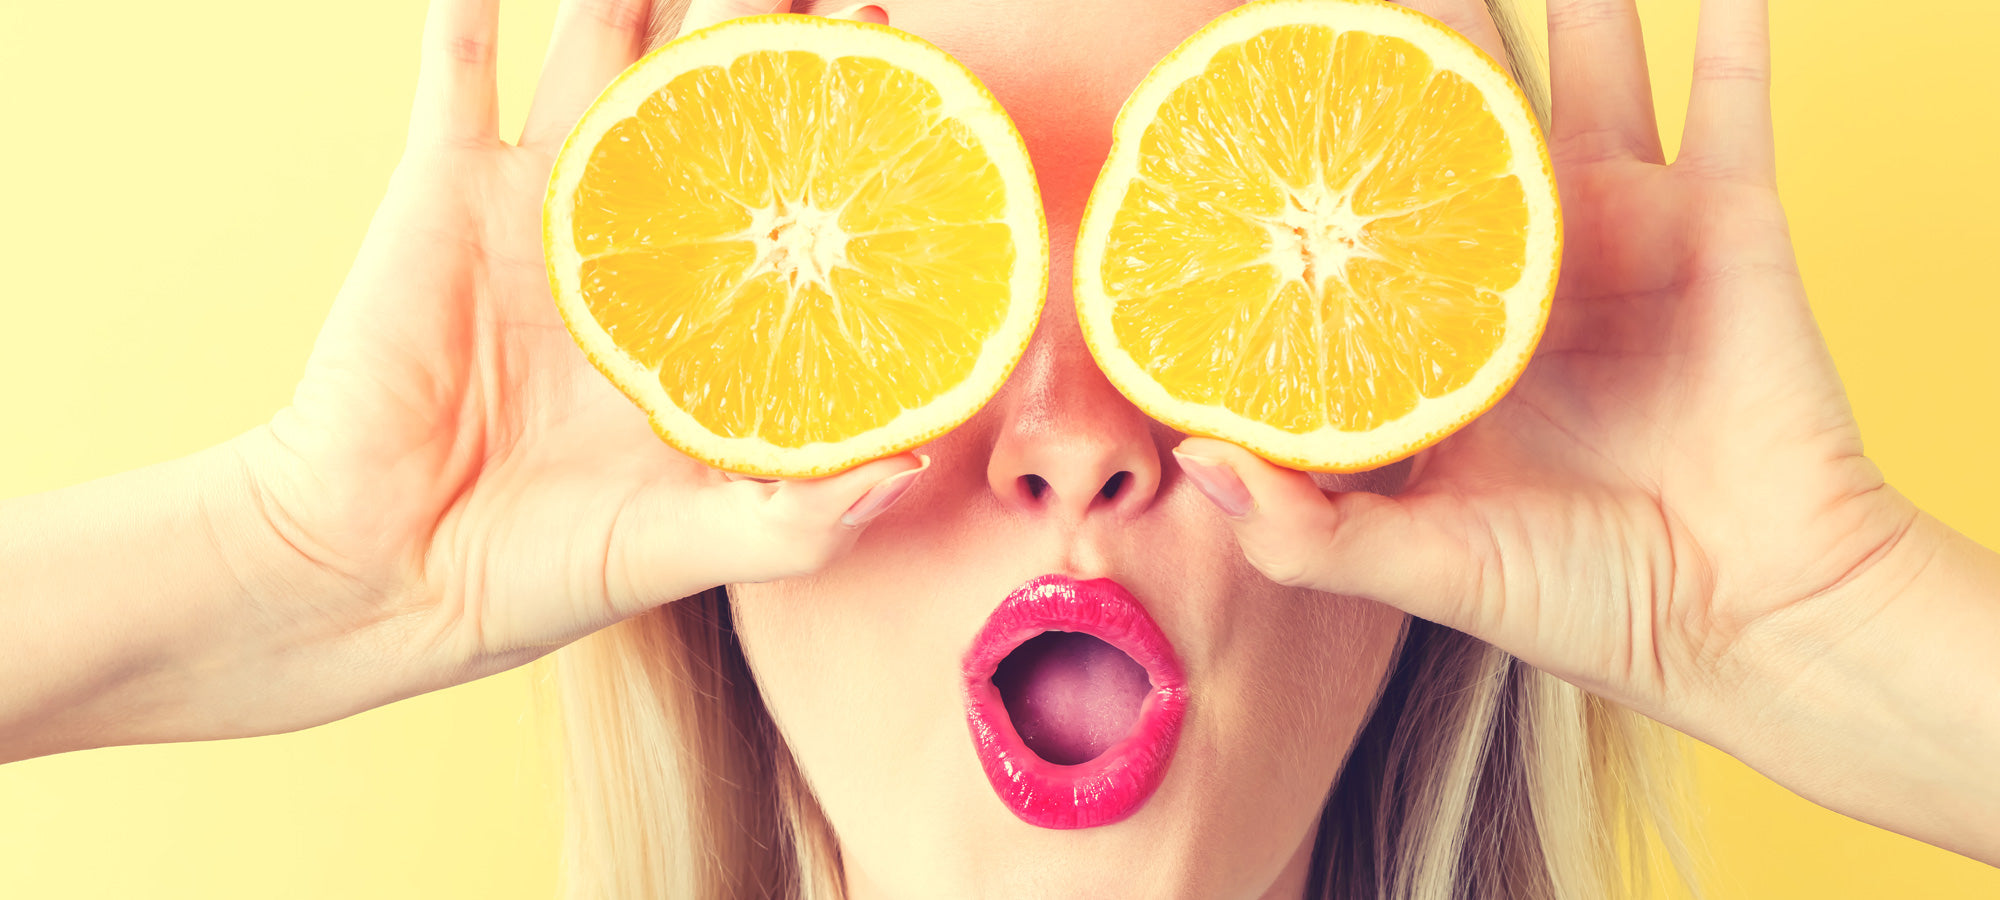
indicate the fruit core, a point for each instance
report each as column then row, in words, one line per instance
column 799, row 241
column 1315, row 234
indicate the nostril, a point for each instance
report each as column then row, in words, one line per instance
column 1037, row 487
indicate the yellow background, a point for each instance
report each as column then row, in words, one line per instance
column 183, row 184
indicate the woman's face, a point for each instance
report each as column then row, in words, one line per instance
column 861, row 664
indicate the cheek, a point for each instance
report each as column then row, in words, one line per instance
column 1338, row 672
column 820, row 660
column 1283, row 711
column 862, row 683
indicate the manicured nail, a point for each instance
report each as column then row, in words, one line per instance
column 1219, row 483
column 863, row 12
column 883, row 495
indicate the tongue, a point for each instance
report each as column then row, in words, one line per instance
column 1071, row 696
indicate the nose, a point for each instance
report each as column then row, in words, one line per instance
column 1068, row 444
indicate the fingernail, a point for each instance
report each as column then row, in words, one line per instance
column 883, row 495
column 863, row 12
column 1219, row 483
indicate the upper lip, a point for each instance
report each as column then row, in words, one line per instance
column 1114, row 784
column 1050, row 603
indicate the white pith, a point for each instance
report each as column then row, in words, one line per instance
column 800, row 242
column 1315, row 235
column 1320, row 229
column 803, row 242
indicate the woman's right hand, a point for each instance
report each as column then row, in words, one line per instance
column 463, row 490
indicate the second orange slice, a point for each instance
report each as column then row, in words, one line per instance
column 1327, row 230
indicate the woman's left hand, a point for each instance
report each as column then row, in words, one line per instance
column 1672, row 508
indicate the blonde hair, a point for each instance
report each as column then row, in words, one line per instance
column 1475, row 776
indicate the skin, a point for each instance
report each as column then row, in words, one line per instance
column 1671, row 509
column 1283, row 676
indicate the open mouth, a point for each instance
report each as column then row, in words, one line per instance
column 1075, row 701
column 1070, row 695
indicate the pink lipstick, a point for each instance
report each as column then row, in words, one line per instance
column 1087, row 757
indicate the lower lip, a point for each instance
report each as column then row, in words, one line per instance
column 1116, row 783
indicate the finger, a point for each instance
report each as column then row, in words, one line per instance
column 1469, row 18
column 703, row 13
column 456, row 99
column 594, row 40
column 863, row 12
column 1358, row 544
column 1729, row 111
column 1597, row 72
column 674, row 541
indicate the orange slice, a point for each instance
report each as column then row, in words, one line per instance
column 798, row 243
column 1327, row 231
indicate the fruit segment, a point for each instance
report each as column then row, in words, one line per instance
column 1319, row 232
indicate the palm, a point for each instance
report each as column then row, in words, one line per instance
column 476, row 491
column 1681, row 418
column 469, row 424
column 1677, row 475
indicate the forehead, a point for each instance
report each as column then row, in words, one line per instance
column 1030, row 49
column 1062, row 69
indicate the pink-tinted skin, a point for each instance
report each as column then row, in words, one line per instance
column 861, row 664
column 1114, row 784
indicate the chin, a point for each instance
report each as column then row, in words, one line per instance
column 979, row 713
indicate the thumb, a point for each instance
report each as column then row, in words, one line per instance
column 675, row 540
column 1408, row 552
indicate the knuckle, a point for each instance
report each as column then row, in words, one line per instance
column 1725, row 168
column 805, row 542
column 447, row 140
column 1288, row 567
column 1305, row 552
column 1589, row 146
column 469, row 50
column 620, row 15
column 1747, row 272
column 1731, row 68
column 1578, row 15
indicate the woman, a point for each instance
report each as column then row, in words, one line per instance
column 1671, row 510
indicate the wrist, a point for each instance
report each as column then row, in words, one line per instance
column 298, row 592
column 267, row 643
column 344, row 617
column 312, row 633
column 1878, row 698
